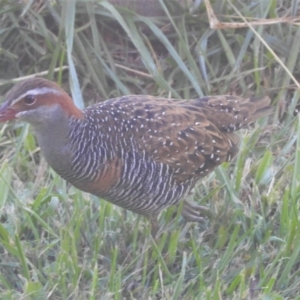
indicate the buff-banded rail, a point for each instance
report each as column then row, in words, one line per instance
column 142, row 153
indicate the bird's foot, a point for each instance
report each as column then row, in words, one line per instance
column 194, row 212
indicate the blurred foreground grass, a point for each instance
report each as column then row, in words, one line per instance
column 59, row 243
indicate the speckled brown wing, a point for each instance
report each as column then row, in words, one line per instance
column 191, row 136
column 230, row 113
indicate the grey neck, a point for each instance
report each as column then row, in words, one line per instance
column 53, row 138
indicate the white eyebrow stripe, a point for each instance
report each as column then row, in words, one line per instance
column 37, row 91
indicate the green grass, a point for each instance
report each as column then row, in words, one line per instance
column 59, row 243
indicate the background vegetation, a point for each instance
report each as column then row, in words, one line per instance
column 59, row 243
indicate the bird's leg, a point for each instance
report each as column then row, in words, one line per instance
column 194, row 212
column 154, row 225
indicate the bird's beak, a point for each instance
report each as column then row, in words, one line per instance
column 7, row 113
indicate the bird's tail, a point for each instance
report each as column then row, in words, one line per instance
column 261, row 108
column 230, row 113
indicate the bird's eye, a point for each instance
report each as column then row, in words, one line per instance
column 29, row 100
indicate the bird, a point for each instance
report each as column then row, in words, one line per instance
column 142, row 153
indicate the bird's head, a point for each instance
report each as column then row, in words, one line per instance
column 35, row 100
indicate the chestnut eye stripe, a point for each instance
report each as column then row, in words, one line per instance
column 36, row 92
